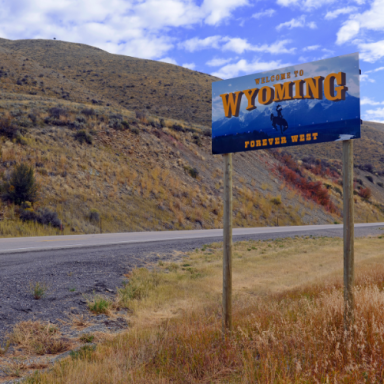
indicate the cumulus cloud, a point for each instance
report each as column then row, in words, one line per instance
column 196, row 44
column 136, row 27
column 375, row 70
column 267, row 13
column 375, row 113
column 217, row 62
column 341, row 11
column 349, row 30
column 371, row 52
column 305, row 4
column 297, row 23
column 189, row 65
column 368, row 101
column 372, row 19
column 244, row 67
column 365, row 77
column 311, row 48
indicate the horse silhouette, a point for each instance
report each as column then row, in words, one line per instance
column 276, row 120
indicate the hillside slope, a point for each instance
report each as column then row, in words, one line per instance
column 153, row 170
column 163, row 89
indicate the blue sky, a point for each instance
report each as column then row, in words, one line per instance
column 226, row 38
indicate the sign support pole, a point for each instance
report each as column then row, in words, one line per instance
column 227, row 245
column 348, row 233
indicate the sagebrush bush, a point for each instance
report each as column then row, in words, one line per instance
column 365, row 193
column 83, row 136
column 42, row 216
column 21, row 186
column 94, row 215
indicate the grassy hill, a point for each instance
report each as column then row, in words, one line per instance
column 129, row 140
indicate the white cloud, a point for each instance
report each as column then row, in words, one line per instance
column 243, row 67
column 306, row 4
column 341, row 11
column 168, row 60
column 349, row 30
column 132, row 27
column 368, row 101
column 366, row 78
column 311, row 48
column 375, row 70
column 189, row 65
column 266, row 13
column 297, row 23
column 371, row 52
column 379, row 112
column 218, row 62
column 196, row 44
column 372, row 19
column 218, row 10
column 239, row 45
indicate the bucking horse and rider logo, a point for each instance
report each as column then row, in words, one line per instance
column 279, row 120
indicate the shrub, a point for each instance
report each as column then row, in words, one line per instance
column 88, row 112
column 276, row 200
column 83, row 136
column 178, row 127
column 81, row 119
column 8, row 128
column 135, row 130
column 207, row 132
column 94, row 215
column 46, row 217
column 87, row 338
column 56, row 112
column 380, row 184
column 21, row 185
column 365, row 193
column 192, row 171
column 162, row 123
column 370, row 178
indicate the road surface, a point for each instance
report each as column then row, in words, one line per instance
column 44, row 243
column 74, row 268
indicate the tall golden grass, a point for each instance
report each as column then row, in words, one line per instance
column 287, row 331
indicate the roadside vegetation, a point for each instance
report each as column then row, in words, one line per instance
column 288, row 320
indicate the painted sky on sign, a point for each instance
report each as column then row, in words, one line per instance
column 226, row 38
column 346, row 63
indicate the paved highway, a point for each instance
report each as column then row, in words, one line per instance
column 45, row 243
column 74, row 268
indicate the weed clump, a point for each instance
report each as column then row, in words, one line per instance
column 141, row 283
column 38, row 289
column 99, row 305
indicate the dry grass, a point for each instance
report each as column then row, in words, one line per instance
column 38, row 338
column 288, row 321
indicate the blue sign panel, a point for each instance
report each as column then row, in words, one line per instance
column 302, row 104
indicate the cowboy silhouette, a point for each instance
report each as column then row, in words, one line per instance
column 279, row 120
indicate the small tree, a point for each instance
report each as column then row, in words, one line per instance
column 21, row 186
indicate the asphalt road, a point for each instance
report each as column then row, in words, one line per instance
column 74, row 268
column 44, row 243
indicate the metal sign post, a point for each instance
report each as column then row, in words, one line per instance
column 227, row 245
column 348, row 232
